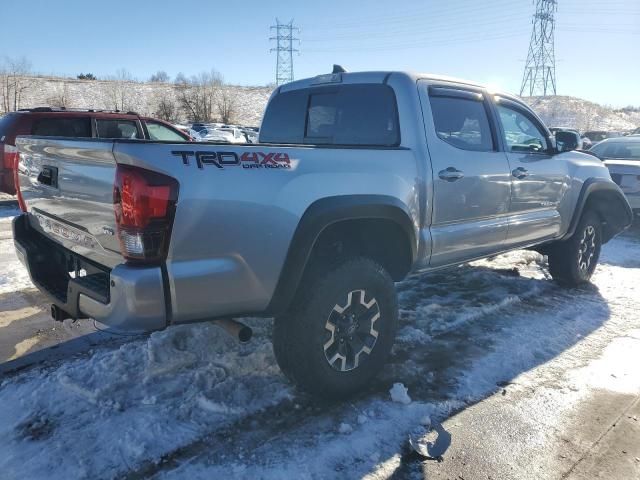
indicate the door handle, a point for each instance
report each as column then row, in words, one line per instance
column 520, row 172
column 450, row 174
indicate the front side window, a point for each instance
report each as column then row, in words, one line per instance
column 462, row 122
column 157, row 131
column 117, row 129
column 521, row 134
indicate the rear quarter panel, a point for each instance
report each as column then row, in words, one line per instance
column 234, row 224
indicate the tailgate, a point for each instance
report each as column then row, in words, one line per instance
column 67, row 186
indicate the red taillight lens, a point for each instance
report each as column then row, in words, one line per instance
column 144, row 204
column 10, row 156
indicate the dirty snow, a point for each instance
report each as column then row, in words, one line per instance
column 189, row 402
column 13, row 276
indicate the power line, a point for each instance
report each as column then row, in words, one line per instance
column 539, row 76
column 284, row 39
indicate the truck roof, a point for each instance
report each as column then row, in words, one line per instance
column 370, row 77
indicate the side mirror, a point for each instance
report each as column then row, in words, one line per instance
column 566, row 141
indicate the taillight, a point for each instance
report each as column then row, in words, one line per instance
column 10, row 157
column 144, row 204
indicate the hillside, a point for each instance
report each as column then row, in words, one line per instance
column 141, row 97
column 145, row 97
column 563, row 111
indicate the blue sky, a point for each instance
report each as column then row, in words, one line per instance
column 596, row 41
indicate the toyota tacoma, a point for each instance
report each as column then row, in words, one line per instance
column 358, row 180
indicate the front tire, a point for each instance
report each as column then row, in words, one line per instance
column 339, row 332
column 573, row 261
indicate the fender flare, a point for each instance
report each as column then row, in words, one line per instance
column 589, row 187
column 320, row 215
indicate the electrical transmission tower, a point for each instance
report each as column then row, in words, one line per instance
column 284, row 50
column 540, row 70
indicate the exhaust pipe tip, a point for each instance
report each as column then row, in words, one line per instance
column 58, row 314
column 237, row 330
column 245, row 334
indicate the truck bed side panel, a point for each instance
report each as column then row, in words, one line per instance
column 234, row 221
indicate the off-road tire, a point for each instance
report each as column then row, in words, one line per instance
column 573, row 261
column 301, row 336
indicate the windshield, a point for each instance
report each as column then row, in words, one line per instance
column 618, row 150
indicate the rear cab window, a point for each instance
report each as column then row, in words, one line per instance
column 345, row 115
column 113, row 128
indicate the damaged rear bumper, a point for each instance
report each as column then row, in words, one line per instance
column 124, row 298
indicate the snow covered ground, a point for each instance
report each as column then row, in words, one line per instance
column 189, row 402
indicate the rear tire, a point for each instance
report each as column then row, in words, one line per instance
column 573, row 261
column 339, row 332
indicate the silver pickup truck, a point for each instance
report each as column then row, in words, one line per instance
column 359, row 180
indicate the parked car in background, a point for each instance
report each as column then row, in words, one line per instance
column 622, row 158
column 228, row 135
column 596, row 135
column 586, row 142
column 250, row 133
column 60, row 122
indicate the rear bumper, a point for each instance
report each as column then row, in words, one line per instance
column 123, row 298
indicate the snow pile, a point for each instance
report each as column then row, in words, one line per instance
column 400, row 394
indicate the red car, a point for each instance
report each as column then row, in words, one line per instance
column 60, row 122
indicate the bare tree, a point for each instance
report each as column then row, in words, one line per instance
column 120, row 96
column 160, row 77
column 226, row 105
column 181, row 78
column 14, row 82
column 60, row 97
column 166, row 108
column 197, row 96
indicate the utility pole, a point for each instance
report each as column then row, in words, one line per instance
column 540, row 70
column 284, row 39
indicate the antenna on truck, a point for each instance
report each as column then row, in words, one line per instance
column 338, row 69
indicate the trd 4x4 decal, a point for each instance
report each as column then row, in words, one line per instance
column 232, row 159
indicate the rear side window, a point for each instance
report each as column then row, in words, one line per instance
column 351, row 115
column 284, row 118
column 62, row 127
column 462, row 122
column 117, row 129
column 6, row 124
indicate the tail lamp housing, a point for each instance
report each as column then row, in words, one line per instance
column 9, row 163
column 144, row 204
